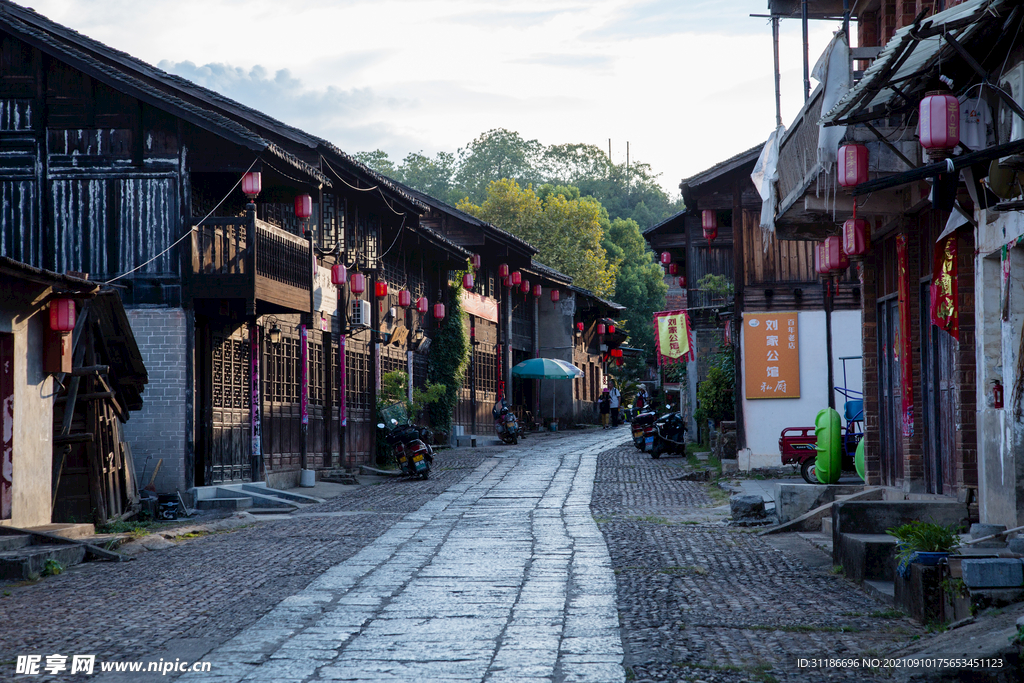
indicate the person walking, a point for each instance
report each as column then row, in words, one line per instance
column 604, row 407
column 614, row 398
column 641, row 400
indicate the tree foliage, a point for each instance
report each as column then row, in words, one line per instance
column 449, row 356
column 640, row 285
column 565, row 228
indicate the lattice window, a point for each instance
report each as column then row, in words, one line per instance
column 391, row 364
column 522, row 317
column 316, row 373
column 394, row 271
column 357, row 376
column 332, row 228
column 485, row 365
column 282, row 382
column 230, row 370
column 369, row 239
column 331, row 361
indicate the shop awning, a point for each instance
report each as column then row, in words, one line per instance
column 911, row 59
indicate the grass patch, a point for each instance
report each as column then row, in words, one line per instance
column 136, row 529
column 837, row 569
column 652, row 519
column 803, row 628
column 718, row 495
column 52, row 568
column 887, row 614
column 688, row 569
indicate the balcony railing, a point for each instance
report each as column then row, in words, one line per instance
column 243, row 257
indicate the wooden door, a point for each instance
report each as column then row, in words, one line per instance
column 227, row 453
column 890, row 394
column 948, row 409
column 933, row 425
column 359, row 409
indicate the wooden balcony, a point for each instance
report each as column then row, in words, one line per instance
column 245, row 258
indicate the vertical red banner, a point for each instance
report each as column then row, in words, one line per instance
column 944, row 311
column 304, row 375
column 904, row 347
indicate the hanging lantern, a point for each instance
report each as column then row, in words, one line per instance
column 709, row 223
column 439, row 312
column 467, row 282
column 252, row 183
column 554, row 300
column 525, row 287
column 422, row 305
column 666, row 258
column 380, row 289
column 62, row 315
column 939, row 124
column 616, row 353
column 836, row 260
column 618, row 361
column 682, row 282
column 820, row 259
column 537, row 291
column 516, row 278
column 673, row 269
column 601, row 328
column 503, row 270
column 475, row 261
column 579, row 327
column 852, row 164
column 405, row 298
column 357, row 283
column 339, row 274
column 303, row 206
column 855, row 237
column 611, row 329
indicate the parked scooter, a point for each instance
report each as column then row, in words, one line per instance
column 669, row 431
column 643, row 430
column 506, row 425
column 414, row 457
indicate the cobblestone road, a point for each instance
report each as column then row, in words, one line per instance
column 700, row 601
column 494, row 570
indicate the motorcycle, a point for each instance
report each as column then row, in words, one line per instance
column 506, row 425
column 414, row 457
column 669, row 431
column 643, row 430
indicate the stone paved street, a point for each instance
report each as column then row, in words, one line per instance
column 700, row 601
column 571, row 557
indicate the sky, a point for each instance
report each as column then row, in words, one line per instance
column 687, row 83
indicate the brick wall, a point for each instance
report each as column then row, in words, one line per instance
column 870, row 276
column 967, row 416
column 913, row 455
column 158, row 430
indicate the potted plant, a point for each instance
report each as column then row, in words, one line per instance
column 924, row 543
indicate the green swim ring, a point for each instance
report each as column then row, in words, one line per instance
column 858, row 460
column 828, row 465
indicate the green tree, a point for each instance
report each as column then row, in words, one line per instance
column 432, row 176
column 379, row 161
column 496, row 154
column 563, row 226
column 640, row 285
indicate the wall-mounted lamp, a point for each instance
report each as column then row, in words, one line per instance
column 275, row 331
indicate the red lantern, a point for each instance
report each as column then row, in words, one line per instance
column 673, row 269
column 855, row 237
column 616, row 353
column 503, row 270
column 538, row 290
column 405, row 298
column 475, row 261
column 467, row 282
column 618, row 361
column 516, row 278
column 252, row 183
column 709, row 223
column 666, row 258
column 579, row 326
column 339, row 274
column 997, row 394
column 439, row 312
column 554, row 299
column 601, row 328
column 939, row 123
column 357, row 283
column 62, row 315
column 380, row 289
column 852, row 164
column 682, row 282
column 835, row 258
column 303, row 206
column 422, row 305
column 611, row 329
column 820, row 259
column 525, row 287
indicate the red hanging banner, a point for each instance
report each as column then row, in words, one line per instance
column 674, row 337
column 944, row 310
column 903, row 346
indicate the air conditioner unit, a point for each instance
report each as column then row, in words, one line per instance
column 361, row 312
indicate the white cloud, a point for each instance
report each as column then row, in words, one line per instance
column 688, row 84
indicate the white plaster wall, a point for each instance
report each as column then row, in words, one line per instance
column 33, row 422
column 764, row 419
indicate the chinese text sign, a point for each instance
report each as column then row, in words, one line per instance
column 771, row 351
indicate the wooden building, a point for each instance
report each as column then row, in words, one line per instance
column 115, row 168
column 769, row 278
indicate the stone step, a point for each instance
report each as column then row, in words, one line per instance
column 271, row 510
column 66, row 530
column 882, row 590
column 24, row 563
column 234, row 503
column 826, row 525
column 866, row 556
column 14, row 542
